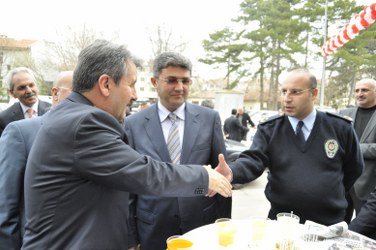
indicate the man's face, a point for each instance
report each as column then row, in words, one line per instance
column 173, row 85
column 124, row 93
column 365, row 95
column 25, row 89
column 297, row 96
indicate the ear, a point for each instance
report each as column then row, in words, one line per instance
column 104, row 84
column 154, row 81
column 11, row 92
column 315, row 92
column 54, row 91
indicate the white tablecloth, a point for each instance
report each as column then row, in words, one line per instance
column 206, row 238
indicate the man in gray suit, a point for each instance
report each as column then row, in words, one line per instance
column 22, row 85
column 81, row 168
column 201, row 140
column 364, row 117
column 15, row 145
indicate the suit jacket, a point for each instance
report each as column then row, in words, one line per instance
column 157, row 218
column 15, row 145
column 365, row 222
column 366, row 183
column 234, row 129
column 14, row 113
column 78, row 175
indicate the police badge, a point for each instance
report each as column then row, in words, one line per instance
column 331, row 148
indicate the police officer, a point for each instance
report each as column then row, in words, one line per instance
column 313, row 157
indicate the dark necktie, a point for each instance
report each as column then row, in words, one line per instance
column 299, row 132
column 173, row 140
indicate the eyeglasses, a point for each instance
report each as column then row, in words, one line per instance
column 293, row 92
column 174, row 80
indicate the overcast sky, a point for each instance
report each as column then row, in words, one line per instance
column 190, row 20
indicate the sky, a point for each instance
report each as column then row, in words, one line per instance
column 190, row 21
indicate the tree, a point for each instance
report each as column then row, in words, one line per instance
column 162, row 40
column 274, row 42
column 223, row 48
column 64, row 51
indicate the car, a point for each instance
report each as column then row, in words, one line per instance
column 234, row 148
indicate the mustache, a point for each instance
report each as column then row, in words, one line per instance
column 30, row 95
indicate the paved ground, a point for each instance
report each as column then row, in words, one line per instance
column 250, row 200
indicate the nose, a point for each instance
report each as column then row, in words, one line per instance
column 179, row 85
column 134, row 94
column 28, row 89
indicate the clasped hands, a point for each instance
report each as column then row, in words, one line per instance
column 220, row 178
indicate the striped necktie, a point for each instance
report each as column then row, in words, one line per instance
column 173, row 141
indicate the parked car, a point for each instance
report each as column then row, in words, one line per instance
column 234, row 148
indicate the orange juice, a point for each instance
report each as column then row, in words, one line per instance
column 178, row 243
column 226, row 232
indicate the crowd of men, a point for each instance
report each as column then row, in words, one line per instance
column 80, row 174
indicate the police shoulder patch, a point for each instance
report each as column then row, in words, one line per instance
column 272, row 118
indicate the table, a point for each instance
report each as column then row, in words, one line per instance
column 206, row 238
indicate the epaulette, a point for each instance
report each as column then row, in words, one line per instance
column 343, row 117
column 272, row 118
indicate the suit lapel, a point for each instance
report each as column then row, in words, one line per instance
column 154, row 131
column 368, row 129
column 17, row 112
column 191, row 130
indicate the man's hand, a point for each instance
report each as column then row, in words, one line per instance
column 223, row 168
column 218, row 183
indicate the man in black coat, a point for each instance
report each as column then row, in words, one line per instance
column 233, row 129
column 22, row 85
column 245, row 120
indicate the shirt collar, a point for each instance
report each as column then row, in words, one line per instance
column 308, row 121
column 34, row 107
column 163, row 112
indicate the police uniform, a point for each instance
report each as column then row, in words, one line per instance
column 310, row 180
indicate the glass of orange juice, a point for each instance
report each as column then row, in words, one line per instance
column 226, row 231
column 177, row 242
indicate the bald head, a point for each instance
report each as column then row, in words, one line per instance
column 365, row 93
column 62, row 86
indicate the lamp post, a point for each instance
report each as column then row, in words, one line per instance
column 322, row 90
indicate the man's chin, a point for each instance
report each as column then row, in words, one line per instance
column 30, row 101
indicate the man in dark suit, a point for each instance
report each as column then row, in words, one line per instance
column 365, row 221
column 80, row 168
column 364, row 117
column 233, row 129
column 22, row 85
column 245, row 120
column 15, row 145
column 201, row 140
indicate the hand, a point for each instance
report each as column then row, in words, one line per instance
column 218, row 183
column 223, row 168
column 137, row 247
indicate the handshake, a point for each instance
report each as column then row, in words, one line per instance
column 220, row 178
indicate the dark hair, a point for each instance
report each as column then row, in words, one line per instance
column 101, row 57
column 233, row 111
column 168, row 59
